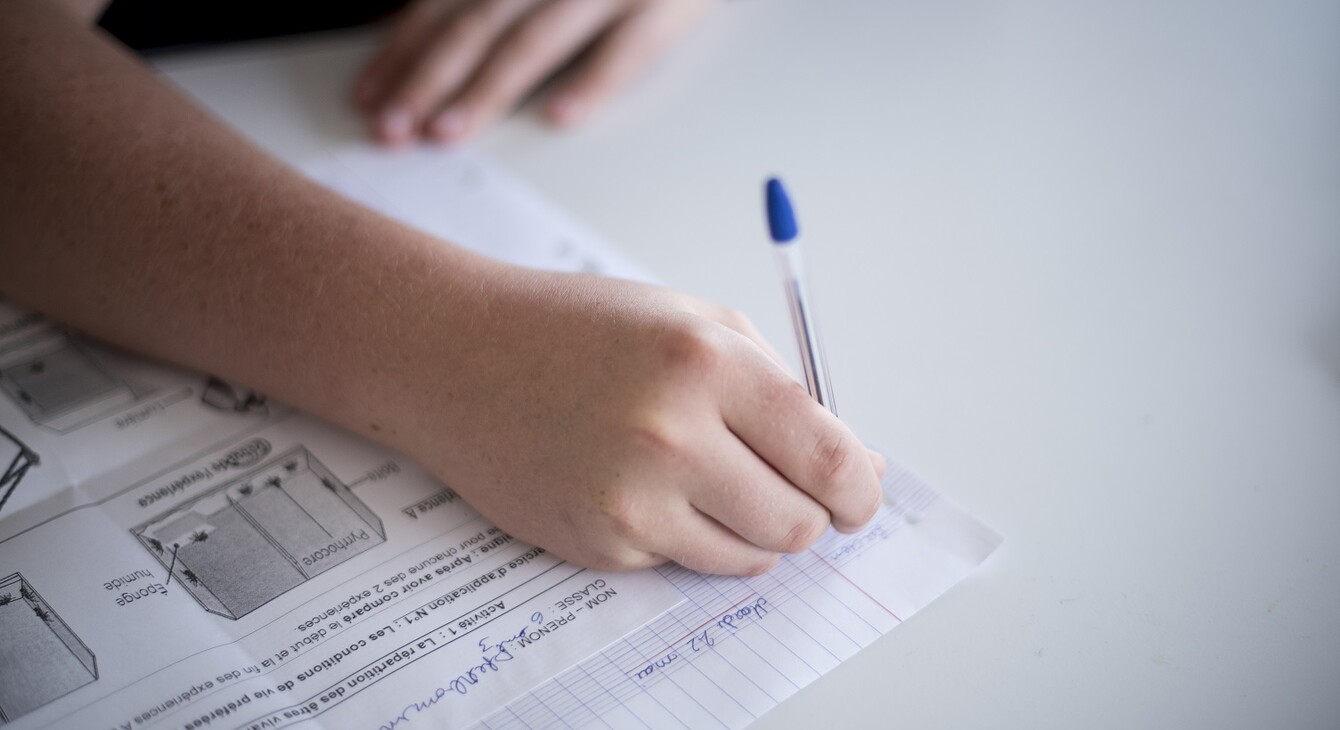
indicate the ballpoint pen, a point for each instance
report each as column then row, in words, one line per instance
column 782, row 226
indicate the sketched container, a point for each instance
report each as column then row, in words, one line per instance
column 248, row 541
column 41, row 659
column 62, row 385
column 15, row 459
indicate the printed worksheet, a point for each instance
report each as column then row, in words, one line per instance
column 177, row 551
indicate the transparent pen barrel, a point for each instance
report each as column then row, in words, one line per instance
column 812, row 358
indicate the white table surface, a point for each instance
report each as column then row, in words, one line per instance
column 1078, row 265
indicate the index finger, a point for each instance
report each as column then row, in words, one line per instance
column 805, row 443
column 411, row 27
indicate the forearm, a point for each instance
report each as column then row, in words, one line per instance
column 614, row 423
column 130, row 214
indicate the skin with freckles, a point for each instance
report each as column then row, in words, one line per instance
column 617, row 424
column 449, row 68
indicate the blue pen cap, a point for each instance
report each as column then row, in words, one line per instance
column 781, row 219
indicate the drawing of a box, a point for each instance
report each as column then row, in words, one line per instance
column 40, row 657
column 63, row 386
column 15, row 461
column 247, row 541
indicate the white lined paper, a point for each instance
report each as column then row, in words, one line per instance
column 691, row 669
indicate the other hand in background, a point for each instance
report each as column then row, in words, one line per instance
column 449, row 68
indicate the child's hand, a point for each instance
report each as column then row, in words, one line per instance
column 619, row 425
column 614, row 423
column 451, row 67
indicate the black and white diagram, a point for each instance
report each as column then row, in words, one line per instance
column 249, row 540
column 61, row 384
column 41, row 659
column 16, row 459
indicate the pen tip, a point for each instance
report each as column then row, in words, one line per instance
column 781, row 218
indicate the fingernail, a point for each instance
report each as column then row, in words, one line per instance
column 449, row 125
column 396, row 125
column 566, row 110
